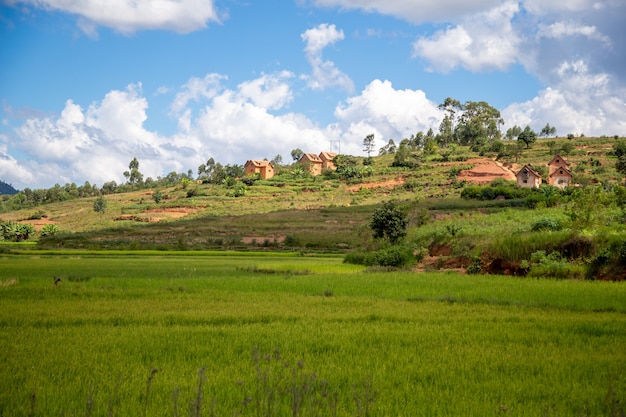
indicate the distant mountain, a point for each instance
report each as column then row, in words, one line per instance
column 6, row 188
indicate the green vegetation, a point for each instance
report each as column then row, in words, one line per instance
column 159, row 333
column 233, row 295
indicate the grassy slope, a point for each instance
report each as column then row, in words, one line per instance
column 308, row 212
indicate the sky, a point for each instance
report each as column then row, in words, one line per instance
column 88, row 85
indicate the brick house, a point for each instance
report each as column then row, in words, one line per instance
column 328, row 160
column 559, row 173
column 263, row 168
column 527, row 177
column 312, row 162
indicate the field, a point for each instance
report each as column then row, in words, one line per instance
column 225, row 333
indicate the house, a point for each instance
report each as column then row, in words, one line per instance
column 559, row 172
column 264, row 168
column 528, row 177
column 328, row 160
column 312, row 162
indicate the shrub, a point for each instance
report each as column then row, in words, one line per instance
column 396, row 256
column 545, row 223
column 391, row 256
column 553, row 266
column 389, row 221
column 16, row 232
column 49, row 230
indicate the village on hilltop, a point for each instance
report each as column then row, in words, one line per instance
column 313, row 163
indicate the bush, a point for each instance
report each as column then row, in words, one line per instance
column 49, row 230
column 392, row 256
column 16, row 232
column 396, row 256
column 553, row 265
column 389, row 221
column 546, row 224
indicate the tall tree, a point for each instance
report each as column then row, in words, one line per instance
column 548, row 131
column 528, row 136
column 133, row 176
column 368, row 144
column 478, row 119
column 513, row 132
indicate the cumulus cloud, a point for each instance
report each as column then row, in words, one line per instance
column 324, row 74
column 230, row 125
column 582, row 102
column 484, row 41
column 386, row 112
column 415, row 11
column 128, row 16
column 94, row 144
column 560, row 30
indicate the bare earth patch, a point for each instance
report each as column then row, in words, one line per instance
column 379, row 184
column 485, row 171
column 170, row 213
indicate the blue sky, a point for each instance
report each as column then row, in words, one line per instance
column 87, row 85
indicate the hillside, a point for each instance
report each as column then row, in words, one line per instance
column 328, row 214
column 7, row 188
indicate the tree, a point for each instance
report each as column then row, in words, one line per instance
column 389, row 221
column 388, row 149
column 513, row 132
column 368, row 144
column 478, row 119
column 277, row 160
column 296, row 154
column 548, row 131
column 528, row 136
column 133, row 176
column 100, row 205
column 619, row 149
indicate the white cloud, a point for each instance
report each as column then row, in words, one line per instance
column 582, row 102
column 415, row 11
column 128, row 16
column 560, row 30
column 268, row 91
column 324, row 73
column 484, row 41
column 12, row 172
column 94, row 145
column 232, row 125
column 386, row 112
column 196, row 89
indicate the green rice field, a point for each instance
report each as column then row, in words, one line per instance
column 226, row 334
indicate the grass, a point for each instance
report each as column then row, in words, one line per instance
column 169, row 334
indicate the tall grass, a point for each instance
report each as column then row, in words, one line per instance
column 352, row 342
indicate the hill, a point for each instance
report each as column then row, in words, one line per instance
column 7, row 188
column 326, row 213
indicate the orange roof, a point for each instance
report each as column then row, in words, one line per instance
column 311, row 157
column 259, row 163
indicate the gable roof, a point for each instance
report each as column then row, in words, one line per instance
column 310, row 157
column 567, row 171
column 559, row 158
column 327, row 156
column 529, row 168
column 259, row 163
